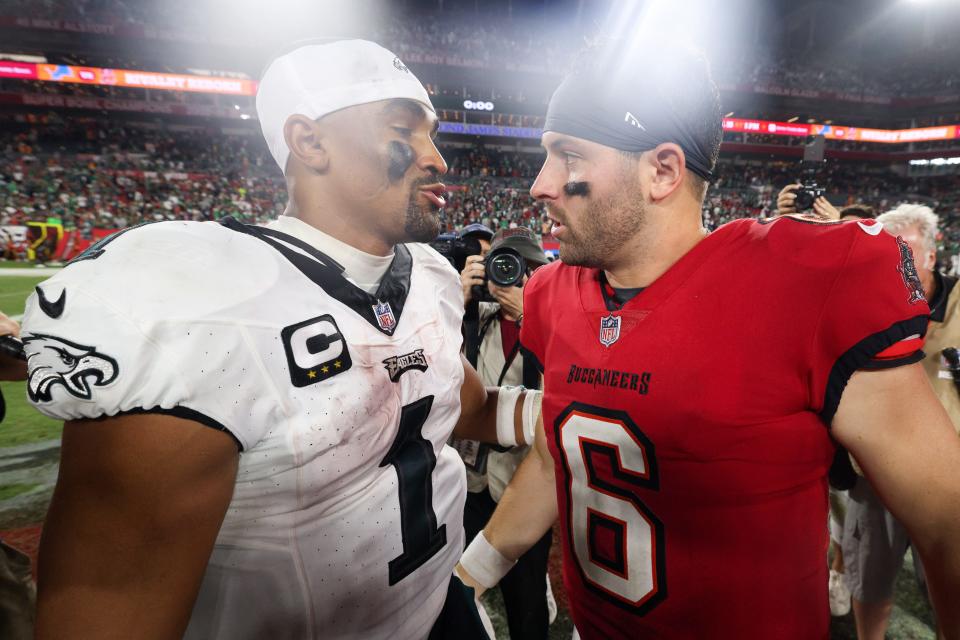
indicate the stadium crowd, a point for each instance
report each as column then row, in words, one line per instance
column 93, row 174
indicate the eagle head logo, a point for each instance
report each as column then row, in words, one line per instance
column 52, row 361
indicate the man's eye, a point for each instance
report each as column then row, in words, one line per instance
column 570, row 157
column 403, row 131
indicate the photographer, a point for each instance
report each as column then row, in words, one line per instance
column 499, row 363
column 821, row 207
column 472, row 274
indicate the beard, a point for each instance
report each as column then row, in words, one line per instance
column 421, row 223
column 602, row 227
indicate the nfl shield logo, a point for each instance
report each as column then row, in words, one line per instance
column 609, row 330
column 385, row 317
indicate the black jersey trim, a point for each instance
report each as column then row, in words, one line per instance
column 300, row 244
column 180, row 412
column 861, row 356
column 880, row 365
column 326, row 273
column 96, row 249
column 526, row 353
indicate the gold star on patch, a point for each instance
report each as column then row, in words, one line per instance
column 311, row 374
column 325, row 369
column 336, row 364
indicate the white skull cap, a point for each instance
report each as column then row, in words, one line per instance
column 317, row 79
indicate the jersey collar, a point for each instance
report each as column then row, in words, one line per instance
column 328, row 274
column 590, row 283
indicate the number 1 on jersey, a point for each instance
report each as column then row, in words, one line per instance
column 412, row 456
column 617, row 541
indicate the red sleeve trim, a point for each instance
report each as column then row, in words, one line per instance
column 905, row 347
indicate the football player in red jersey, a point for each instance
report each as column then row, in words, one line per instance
column 695, row 383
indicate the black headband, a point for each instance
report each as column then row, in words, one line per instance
column 626, row 117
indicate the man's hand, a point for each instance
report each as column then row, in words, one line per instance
column 11, row 368
column 824, row 210
column 471, row 275
column 9, row 327
column 510, row 299
column 786, row 200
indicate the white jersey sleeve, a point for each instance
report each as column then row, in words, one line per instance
column 142, row 325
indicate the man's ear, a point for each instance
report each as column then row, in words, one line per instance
column 670, row 169
column 304, row 138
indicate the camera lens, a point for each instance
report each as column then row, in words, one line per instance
column 505, row 269
column 804, row 200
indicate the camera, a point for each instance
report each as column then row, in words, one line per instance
column 808, row 192
column 809, row 189
column 456, row 249
column 505, row 267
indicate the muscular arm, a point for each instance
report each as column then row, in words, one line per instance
column 478, row 410
column 137, row 507
column 895, row 427
column 526, row 511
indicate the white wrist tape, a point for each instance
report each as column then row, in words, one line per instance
column 484, row 563
column 506, row 406
column 532, row 404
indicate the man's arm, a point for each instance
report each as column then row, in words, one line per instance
column 478, row 410
column 138, row 504
column 898, row 431
column 526, row 511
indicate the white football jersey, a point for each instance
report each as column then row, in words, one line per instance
column 346, row 519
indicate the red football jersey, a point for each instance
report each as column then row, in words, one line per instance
column 689, row 428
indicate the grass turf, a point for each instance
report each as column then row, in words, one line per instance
column 23, row 424
column 14, row 291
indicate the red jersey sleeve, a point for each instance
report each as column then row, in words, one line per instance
column 532, row 329
column 875, row 315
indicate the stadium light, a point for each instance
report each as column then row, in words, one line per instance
column 937, row 162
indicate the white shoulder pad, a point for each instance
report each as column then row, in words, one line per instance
column 144, row 326
column 428, row 259
column 424, row 252
column 449, row 293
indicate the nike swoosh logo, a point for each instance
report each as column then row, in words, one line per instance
column 871, row 229
column 53, row 309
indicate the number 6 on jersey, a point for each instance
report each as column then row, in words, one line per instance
column 617, row 540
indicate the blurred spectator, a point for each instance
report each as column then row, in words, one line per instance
column 874, row 542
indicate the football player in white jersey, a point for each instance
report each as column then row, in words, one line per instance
column 256, row 417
